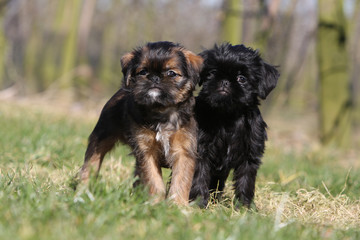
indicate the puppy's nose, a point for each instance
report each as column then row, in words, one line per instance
column 225, row 83
column 155, row 79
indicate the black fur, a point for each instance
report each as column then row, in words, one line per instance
column 232, row 132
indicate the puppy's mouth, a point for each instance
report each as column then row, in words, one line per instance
column 154, row 92
column 223, row 91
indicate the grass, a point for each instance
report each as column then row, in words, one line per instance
column 306, row 195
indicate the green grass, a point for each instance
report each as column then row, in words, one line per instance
column 299, row 196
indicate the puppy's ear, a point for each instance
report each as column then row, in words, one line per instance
column 268, row 81
column 125, row 63
column 203, row 74
column 195, row 64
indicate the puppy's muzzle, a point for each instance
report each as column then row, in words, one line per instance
column 224, row 87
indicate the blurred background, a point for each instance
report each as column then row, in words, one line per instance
column 51, row 47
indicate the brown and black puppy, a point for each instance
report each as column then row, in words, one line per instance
column 153, row 112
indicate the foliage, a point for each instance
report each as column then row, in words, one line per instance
column 52, row 46
column 77, row 44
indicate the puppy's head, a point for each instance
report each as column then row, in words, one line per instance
column 161, row 73
column 235, row 76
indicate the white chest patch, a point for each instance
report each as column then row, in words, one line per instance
column 164, row 132
column 163, row 136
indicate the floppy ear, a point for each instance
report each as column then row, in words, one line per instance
column 125, row 63
column 269, row 77
column 195, row 64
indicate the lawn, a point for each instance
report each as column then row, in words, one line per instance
column 309, row 194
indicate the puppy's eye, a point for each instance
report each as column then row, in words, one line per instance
column 142, row 72
column 241, row 79
column 171, row 73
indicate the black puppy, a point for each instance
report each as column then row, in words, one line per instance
column 232, row 133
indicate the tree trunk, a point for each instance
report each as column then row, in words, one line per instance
column 71, row 19
column 335, row 105
column 251, row 21
column 85, row 22
column 355, row 62
column 232, row 22
column 2, row 55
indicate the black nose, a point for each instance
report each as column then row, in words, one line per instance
column 155, row 79
column 225, row 83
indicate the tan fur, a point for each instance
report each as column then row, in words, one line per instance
column 181, row 159
column 183, row 145
column 183, row 93
column 150, row 167
column 173, row 64
column 94, row 158
column 125, row 60
column 92, row 165
column 142, row 65
column 194, row 60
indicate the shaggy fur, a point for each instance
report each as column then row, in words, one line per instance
column 232, row 132
column 153, row 113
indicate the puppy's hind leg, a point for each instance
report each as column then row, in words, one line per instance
column 95, row 152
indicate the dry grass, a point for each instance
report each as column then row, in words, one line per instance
column 309, row 207
column 305, row 206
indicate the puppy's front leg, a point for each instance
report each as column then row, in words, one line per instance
column 148, row 167
column 244, row 178
column 182, row 158
column 217, row 182
column 200, row 183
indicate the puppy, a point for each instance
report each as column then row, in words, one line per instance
column 153, row 112
column 232, row 132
